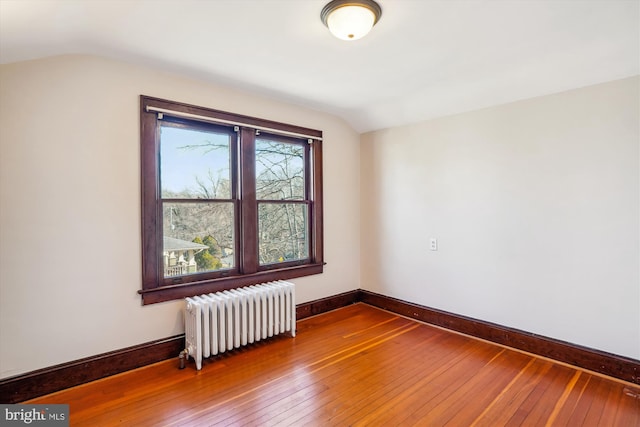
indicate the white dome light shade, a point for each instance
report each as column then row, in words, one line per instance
column 350, row 20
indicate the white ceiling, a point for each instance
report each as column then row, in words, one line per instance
column 424, row 59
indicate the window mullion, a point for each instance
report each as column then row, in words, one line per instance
column 249, row 210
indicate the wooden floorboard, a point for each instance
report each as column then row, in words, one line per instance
column 359, row 366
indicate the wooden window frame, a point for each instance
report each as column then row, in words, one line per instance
column 248, row 271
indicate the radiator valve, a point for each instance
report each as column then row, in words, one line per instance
column 182, row 357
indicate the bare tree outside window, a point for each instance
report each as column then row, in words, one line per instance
column 281, row 194
column 195, row 166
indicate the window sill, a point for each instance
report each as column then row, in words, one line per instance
column 173, row 292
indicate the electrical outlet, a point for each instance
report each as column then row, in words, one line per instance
column 433, row 244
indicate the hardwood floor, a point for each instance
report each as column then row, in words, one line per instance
column 358, row 366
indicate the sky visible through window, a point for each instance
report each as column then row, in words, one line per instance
column 187, row 156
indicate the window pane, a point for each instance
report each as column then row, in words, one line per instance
column 279, row 170
column 283, row 232
column 197, row 237
column 194, row 164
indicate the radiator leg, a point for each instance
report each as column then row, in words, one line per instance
column 183, row 355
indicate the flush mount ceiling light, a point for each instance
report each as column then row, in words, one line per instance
column 350, row 20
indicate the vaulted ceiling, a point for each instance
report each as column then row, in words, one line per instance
column 424, row 59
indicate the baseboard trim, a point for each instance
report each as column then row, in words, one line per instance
column 612, row 365
column 323, row 305
column 48, row 380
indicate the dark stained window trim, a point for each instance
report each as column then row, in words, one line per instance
column 153, row 289
column 172, row 292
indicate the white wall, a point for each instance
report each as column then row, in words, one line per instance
column 70, row 205
column 535, row 206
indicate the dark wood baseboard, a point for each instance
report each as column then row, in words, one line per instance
column 48, row 380
column 612, row 365
column 44, row 381
column 323, row 305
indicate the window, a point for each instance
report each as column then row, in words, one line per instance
column 227, row 200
